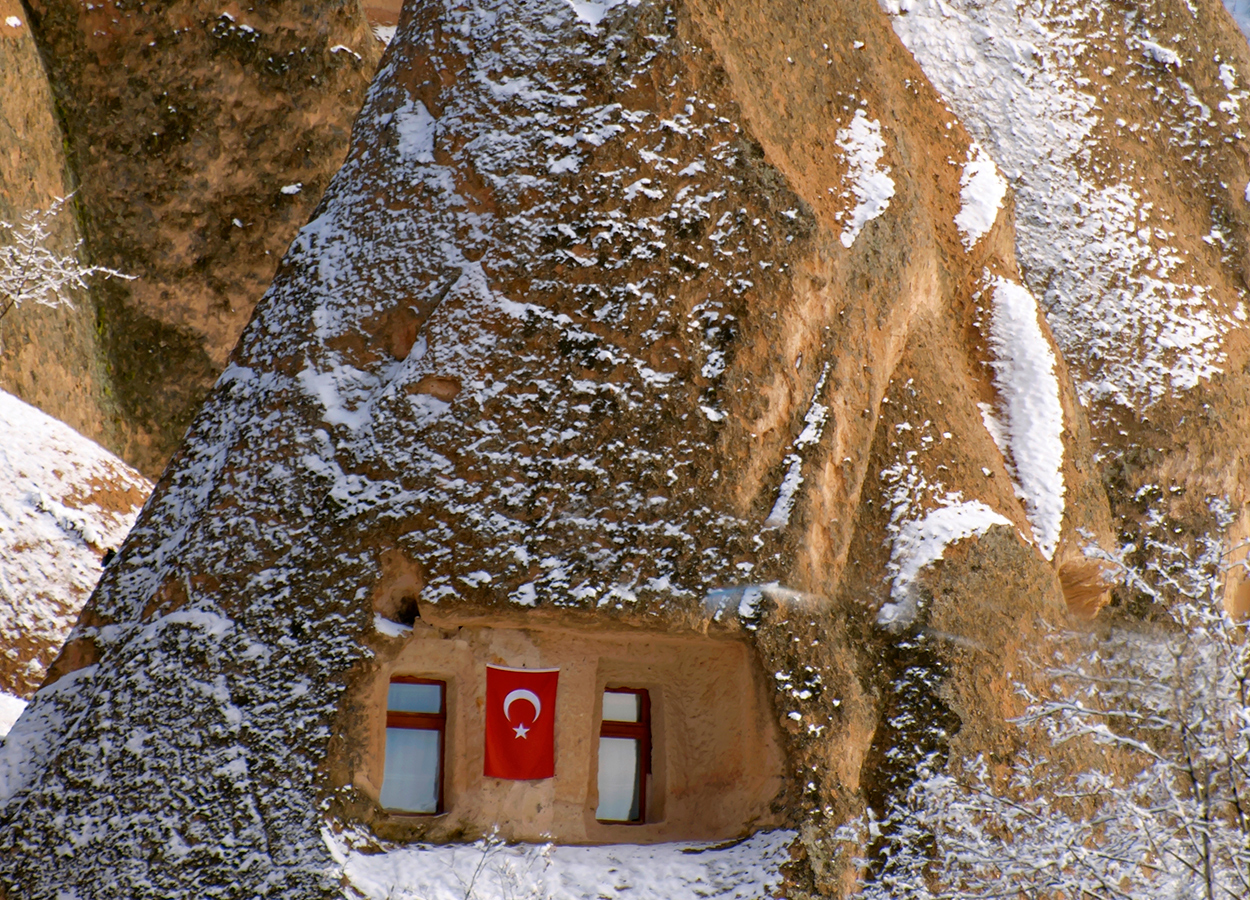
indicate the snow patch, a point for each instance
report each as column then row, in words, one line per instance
column 385, row 626
column 1115, row 292
column 64, row 501
column 1160, row 54
column 10, row 708
column 871, row 184
column 493, row 869
column 981, row 193
column 814, row 426
column 415, row 127
column 592, row 11
column 923, row 542
column 21, row 752
column 1032, row 416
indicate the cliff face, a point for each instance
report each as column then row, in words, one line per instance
column 699, row 318
column 197, row 137
column 50, row 356
column 1122, row 133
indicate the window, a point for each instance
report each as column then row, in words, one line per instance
column 416, row 728
column 624, row 755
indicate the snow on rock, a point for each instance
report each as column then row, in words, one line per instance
column 492, row 870
column 64, row 501
column 870, row 183
column 922, row 542
column 981, row 193
column 10, row 708
column 1032, row 416
column 1116, row 293
column 500, row 366
column 592, row 11
column 813, row 427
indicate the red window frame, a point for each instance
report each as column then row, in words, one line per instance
column 426, row 722
column 640, row 730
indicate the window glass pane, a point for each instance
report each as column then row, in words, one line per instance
column 618, row 779
column 410, row 780
column 418, row 698
column 620, row 707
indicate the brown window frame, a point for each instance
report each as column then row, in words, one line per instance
column 424, row 722
column 640, row 730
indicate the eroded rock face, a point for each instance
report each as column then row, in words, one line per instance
column 199, row 136
column 1122, row 134
column 49, row 356
column 585, row 325
column 671, row 316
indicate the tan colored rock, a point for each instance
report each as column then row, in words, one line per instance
column 1124, row 139
column 49, row 357
column 200, row 137
column 633, row 337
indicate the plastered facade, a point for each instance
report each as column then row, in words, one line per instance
column 717, row 763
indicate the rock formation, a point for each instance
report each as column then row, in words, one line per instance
column 49, row 356
column 197, row 138
column 691, row 318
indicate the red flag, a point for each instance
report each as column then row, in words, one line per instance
column 520, row 723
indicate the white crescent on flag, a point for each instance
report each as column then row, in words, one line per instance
column 522, row 694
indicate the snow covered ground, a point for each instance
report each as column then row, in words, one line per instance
column 64, row 501
column 10, row 708
column 492, row 869
column 1241, row 13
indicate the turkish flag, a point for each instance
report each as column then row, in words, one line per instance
column 520, row 723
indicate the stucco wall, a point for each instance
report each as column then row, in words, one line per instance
column 716, row 759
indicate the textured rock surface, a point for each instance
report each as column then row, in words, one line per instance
column 676, row 316
column 49, row 356
column 199, row 137
column 1122, row 132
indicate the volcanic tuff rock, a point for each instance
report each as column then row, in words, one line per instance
column 1120, row 128
column 198, row 136
column 49, row 356
column 682, row 316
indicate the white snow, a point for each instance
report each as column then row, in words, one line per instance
column 592, row 11
column 292, row 189
column 21, row 751
column 922, row 542
column 491, row 869
column 13, row 22
column 385, row 626
column 981, row 193
column 385, row 33
column 871, row 184
column 64, row 500
column 10, row 708
column 1032, row 417
column 813, row 427
column 416, row 127
column 1160, row 54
